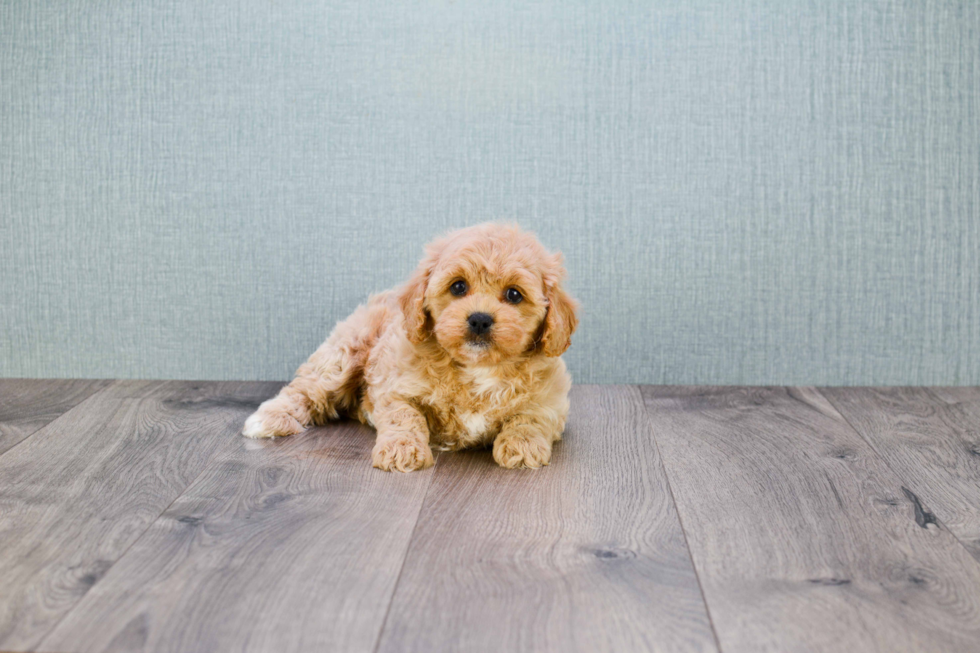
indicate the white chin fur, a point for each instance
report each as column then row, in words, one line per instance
column 475, row 351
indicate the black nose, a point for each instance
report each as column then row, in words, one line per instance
column 479, row 323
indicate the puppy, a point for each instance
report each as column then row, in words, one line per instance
column 465, row 354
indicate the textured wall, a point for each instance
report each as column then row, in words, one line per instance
column 746, row 191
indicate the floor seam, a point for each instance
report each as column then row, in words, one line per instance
column 883, row 459
column 146, row 530
column 112, row 383
column 680, row 520
column 408, row 548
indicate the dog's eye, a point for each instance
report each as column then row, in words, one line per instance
column 514, row 295
column 458, row 288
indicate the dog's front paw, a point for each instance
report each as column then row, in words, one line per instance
column 401, row 454
column 514, row 450
column 271, row 424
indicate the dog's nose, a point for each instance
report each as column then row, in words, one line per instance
column 480, row 323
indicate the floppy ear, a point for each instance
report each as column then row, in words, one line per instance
column 411, row 298
column 562, row 319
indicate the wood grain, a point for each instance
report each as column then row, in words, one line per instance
column 26, row 405
column 584, row 555
column 77, row 494
column 931, row 438
column 293, row 544
column 802, row 536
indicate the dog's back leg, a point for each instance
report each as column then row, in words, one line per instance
column 326, row 385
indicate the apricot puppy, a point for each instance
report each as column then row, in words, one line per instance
column 464, row 354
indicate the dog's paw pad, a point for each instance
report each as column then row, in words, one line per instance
column 265, row 425
column 401, row 455
column 516, row 452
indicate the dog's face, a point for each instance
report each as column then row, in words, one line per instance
column 488, row 294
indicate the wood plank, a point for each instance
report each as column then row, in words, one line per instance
column 801, row 535
column 77, row 494
column 27, row 405
column 931, row 438
column 584, row 555
column 292, row 544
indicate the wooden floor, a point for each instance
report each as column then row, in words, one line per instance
column 133, row 517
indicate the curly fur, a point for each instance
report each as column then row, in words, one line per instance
column 407, row 364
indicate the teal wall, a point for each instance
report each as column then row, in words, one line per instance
column 746, row 191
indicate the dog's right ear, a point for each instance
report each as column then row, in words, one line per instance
column 411, row 298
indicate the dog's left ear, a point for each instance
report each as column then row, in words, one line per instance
column 411, row 297
column 562, row 318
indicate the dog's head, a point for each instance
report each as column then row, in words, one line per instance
column 488, row 294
